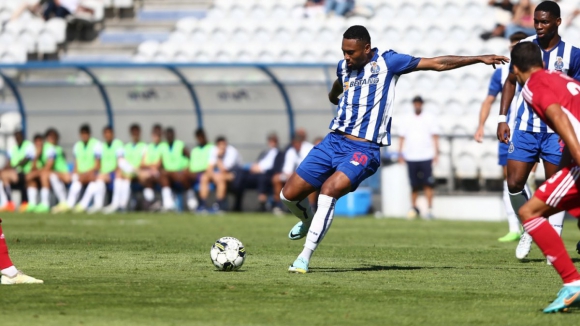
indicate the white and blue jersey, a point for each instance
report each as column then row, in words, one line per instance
column 496, row 83
column 366, row 107
column 564, row 58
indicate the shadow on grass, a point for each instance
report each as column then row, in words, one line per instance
column 372, row 268
column 539, row 260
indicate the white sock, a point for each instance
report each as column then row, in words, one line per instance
column 148, row 194
column 574, row 283
column 167, row 197
column 88, row 196
column 513, row 221
column 557, row 222
column 320, row 224
column 10, row 271
column 300, row 209
column 192, row 202
column 32, row 195
column 58, row 188
column 125, row 193
column 3, row 197
column 117, row 189
column 100, row 192
column 45, row 196
column 73, row 193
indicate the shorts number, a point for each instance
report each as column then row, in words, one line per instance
column 573, row 88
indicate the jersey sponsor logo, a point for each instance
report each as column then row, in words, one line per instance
column 375, row 67
column 359, row 158
column 511, row 148
column 362, row 82
column 559, row 64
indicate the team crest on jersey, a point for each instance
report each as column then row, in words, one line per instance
column 559, row 64
column 375, row 67
column 345, row 86
column 511, row 148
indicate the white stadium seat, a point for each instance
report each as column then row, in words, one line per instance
column 47, row 43
column 148, row 48
column 57, row 27
column 186, row 25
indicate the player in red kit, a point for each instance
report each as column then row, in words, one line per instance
column 555, row 98
column 10, row 275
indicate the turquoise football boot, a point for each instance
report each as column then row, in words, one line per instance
column 300, row 265
column 299, row 231
column 568, row 296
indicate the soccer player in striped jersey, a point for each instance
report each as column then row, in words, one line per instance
column 55, row 171
column 532, row 139
column 350, row 153
column 555, row 98
column 495, row 86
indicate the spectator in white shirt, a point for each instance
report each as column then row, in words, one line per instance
column 224, row 163
column 259, row 176
column 418, row 147
column 293, row 156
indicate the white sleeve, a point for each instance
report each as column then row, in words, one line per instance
column 30, row 152
column 51, row 153
column 290, row 159
column 75, row 149
column 98, row 150
column 267, row 162
column 213, row 156
column 434, row 126
column 231, row 158
column 120, row 152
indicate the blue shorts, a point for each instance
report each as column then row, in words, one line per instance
column 502, row 154
column 421, row 174
column 530, row 147
column 357, row 159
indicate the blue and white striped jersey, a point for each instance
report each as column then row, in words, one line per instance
column 496, row 83
column 366, row 107
column 563, row 57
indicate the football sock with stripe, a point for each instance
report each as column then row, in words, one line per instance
column 513, row 221
column 553, row 248
column 300, row 209
column 320, row 224
column 518, row 199
column 557, row 222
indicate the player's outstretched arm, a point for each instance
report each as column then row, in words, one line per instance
column 507, row 95
column 483, row 115
column 450, row 62
column 335, row 92
column 563, row 127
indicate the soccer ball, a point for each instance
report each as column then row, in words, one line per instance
column 228, row 254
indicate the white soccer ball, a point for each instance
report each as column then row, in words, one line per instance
column 228, row 254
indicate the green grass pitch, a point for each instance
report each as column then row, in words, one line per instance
column 138, row 269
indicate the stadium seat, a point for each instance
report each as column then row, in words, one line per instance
column 464, row 159
column 15, row 53
column 186, row 25
column 488, row 167
column 123, row 3
column 46, row 43
column 178, row 36
column 148, row 48
column 9, row 122
column 57, row 27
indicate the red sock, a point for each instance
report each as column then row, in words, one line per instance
column 5, row 261
column 553, row 248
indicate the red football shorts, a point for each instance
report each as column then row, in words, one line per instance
column 562, row 190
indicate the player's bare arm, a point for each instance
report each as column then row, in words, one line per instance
column 563, row 127
column 450, row 62
column 335, row 92
column 483, row 115
column 507, row 95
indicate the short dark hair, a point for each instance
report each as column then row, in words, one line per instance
column 135, row 126
column 550, row 7
column 85, row 129
column 108, row 128
column 170, row 129
column 518, row 36
column 37, row 137
column 220, row 139
column 157, row 126
column 199, row 132
column 357, row 32
column 526, row 55
column 49, row 131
